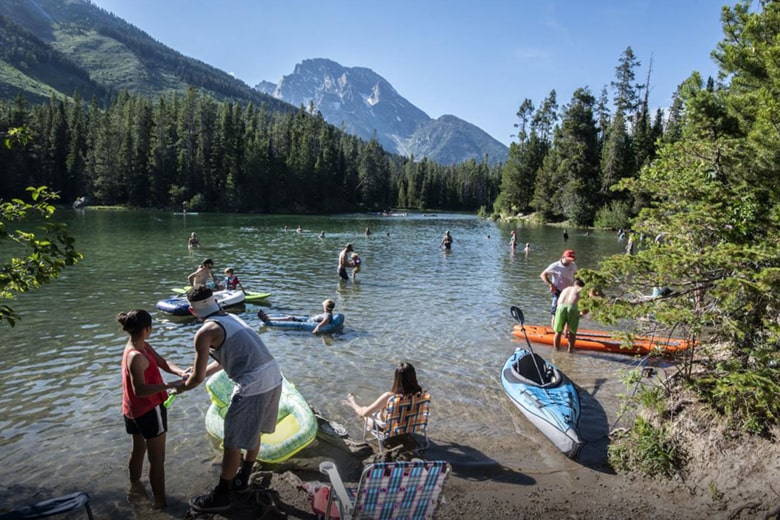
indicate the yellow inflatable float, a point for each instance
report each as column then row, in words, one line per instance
column 296, row 425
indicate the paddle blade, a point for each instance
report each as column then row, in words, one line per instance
column 517, row 314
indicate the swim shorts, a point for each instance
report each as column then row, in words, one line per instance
column 567, row 314
column 150, row 425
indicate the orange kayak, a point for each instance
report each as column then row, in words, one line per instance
column 604, row 341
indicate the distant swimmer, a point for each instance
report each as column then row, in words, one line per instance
column 447, row 240
column 193, row 242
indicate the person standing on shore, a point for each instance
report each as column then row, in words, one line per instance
column 143, row 395
column 238, row 350
column 558, row 276
column 345, row 261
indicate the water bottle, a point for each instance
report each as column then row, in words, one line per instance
column 172, row 395
column 170, row 399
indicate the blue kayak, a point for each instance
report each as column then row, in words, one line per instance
column 546, row 397
column 304, row 323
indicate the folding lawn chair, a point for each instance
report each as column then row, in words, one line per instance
column 405, row 415
column 51, row 507
column 403, row 490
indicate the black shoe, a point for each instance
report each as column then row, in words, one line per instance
column 241, row 483
column 262, row 315
column 213, row 502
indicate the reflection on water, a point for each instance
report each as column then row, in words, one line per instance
column 445, row 312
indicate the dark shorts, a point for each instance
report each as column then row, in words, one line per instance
column 554, row 304
column 150, row 425
column 343, row 273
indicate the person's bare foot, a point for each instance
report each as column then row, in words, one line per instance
column 137, row 489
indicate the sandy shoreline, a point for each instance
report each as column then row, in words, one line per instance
column 520, row 476
column 481, row 487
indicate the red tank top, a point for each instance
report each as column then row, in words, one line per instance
column 132, row 405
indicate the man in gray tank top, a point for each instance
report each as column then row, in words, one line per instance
column 236, row 348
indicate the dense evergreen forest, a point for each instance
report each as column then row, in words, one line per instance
column 188, row 149
column 566, row 161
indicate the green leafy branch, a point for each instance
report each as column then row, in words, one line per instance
column 39, row 258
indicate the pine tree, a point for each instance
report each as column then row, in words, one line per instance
column 715, row 214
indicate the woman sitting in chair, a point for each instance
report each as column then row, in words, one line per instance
column 404, row 383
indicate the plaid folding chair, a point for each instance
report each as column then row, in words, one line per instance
column 51, row 507
column 408, row 490
column 405, row 415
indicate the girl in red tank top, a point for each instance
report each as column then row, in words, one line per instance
column 143, row 394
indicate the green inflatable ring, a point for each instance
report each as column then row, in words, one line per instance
column 296, row 425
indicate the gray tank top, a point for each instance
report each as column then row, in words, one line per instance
column 245, row 358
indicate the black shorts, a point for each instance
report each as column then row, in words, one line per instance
column 343, row 273
column 150, row 425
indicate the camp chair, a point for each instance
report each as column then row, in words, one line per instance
column 51, row 507
column 408, row 490
column 405, row 415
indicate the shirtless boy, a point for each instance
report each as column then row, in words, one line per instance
column 568, row 314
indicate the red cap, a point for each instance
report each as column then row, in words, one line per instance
column 569, row 253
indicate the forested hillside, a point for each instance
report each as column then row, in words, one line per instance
column 66, row 46
column 219, row 156
column 567, row 160
column 29, row 65
column 115, row 116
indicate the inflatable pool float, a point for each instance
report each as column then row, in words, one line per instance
column 249, row 296
column 304, row 323
column 605, row 341
column 179, row 306
column 255, row 297
column 296, row 425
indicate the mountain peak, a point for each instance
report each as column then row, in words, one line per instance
column 367, row 105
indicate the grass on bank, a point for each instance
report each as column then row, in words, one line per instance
column 745, row 398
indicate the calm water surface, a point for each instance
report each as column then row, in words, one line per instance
column 447, row 312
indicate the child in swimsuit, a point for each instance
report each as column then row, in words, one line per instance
column 231, row 281
column 356, row 270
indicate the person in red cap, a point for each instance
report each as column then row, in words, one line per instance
column 558, row 276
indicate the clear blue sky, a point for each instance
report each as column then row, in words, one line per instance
column 475, row 59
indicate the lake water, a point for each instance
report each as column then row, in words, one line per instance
column 447, row 312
